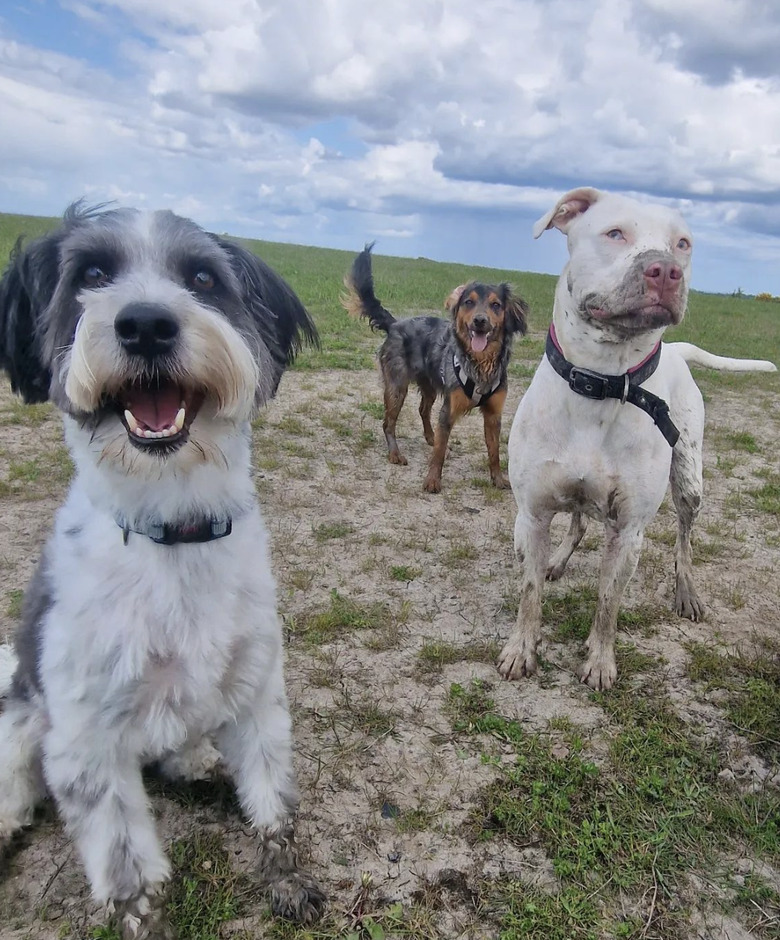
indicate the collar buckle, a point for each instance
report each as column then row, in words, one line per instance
column 587, row 383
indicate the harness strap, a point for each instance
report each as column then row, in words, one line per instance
column 468, row 384
column 625, row 387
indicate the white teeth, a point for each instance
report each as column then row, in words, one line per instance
column 130, row 419
column 178, row 423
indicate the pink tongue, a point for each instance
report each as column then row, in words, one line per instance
column 478, row 341
column 155, row 408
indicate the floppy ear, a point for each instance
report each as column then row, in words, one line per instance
column 283, row 321
column 516, row 311
column 566, row 210
column 26, row 289
column 454, row 297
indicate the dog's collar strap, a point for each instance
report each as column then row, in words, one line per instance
column 626, row 387
column 468, row 384
column 205, row 530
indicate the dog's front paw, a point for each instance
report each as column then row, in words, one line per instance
column 432, row 484
column 599, row 671
column 500, row 481
column 142, row 917
column 398, row 458
column 296, row 896
column 517, row 660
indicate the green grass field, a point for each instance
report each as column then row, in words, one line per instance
column 727, row 325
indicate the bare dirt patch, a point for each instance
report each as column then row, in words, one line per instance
column 390, row 596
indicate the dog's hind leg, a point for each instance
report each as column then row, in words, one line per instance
column 532, row 543
column 618, row 564
column 567, row 547
column 686, row 483
column 22, row 726
column 257, row 750
column 395, row 396
column 427, row 398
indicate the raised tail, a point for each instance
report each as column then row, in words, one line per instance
column 701, row 357
column 360, row 301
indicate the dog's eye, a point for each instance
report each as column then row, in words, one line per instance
column 615, row 234
column 95, row 276
column 495, row 306
column 468, row 302
column 203, row 281
column 684, row 244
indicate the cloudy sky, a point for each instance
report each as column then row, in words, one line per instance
column 440, row 128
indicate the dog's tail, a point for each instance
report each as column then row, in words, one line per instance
column 360, row 300
column 700, row 357
column 7, row 668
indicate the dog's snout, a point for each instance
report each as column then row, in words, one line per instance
column 480, row 322
column 146, row 330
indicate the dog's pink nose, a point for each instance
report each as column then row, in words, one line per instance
column 659, row 272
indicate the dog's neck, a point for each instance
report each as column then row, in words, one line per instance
column 590, row 346
column 208, row 490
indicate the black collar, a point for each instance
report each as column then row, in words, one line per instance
column 468, row 384
column 625, row 387
column 203, row 530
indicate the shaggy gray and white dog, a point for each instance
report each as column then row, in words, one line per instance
column 150, row 625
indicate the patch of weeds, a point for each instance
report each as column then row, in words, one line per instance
column 531, row 914
column 736, row 440
column 342, row 617
column 204, row 892
column 290, row 424
column 332, row 530
column 434, row 655
column 633, row 826
column 570, row 615
column 15, row 599
column 767, row 497
column 367, row 716
column 461, row 552
column 374, row 408
column 268, row 463
column 762, row 905
column 752, row 683
column 340, row 426
column 404, row 572
column 415, row 820
column 33, row 416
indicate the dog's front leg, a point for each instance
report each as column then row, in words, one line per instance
column 491, row 413
column 257, row 749
column 532, row 544
column 455, row 406
column 99, row 792
column 618, row 564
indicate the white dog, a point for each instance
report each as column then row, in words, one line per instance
column 151, row 620
column 611, row 415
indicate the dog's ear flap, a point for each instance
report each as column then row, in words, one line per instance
column 283, row 321
column 26, row 289
column 517, row 311
column 454, row 297
column 566, row 210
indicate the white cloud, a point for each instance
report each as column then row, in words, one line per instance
column 305, row 114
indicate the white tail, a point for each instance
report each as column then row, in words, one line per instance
column 7, row 667
column 701, row 357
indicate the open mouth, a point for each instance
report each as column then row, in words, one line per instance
column 157, row 413
column 479, row 341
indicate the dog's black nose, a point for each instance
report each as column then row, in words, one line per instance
column 146, row 330
column 480, row 322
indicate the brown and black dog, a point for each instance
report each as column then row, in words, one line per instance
column 464, row 359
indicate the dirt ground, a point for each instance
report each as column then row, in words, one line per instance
column 375, row 743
